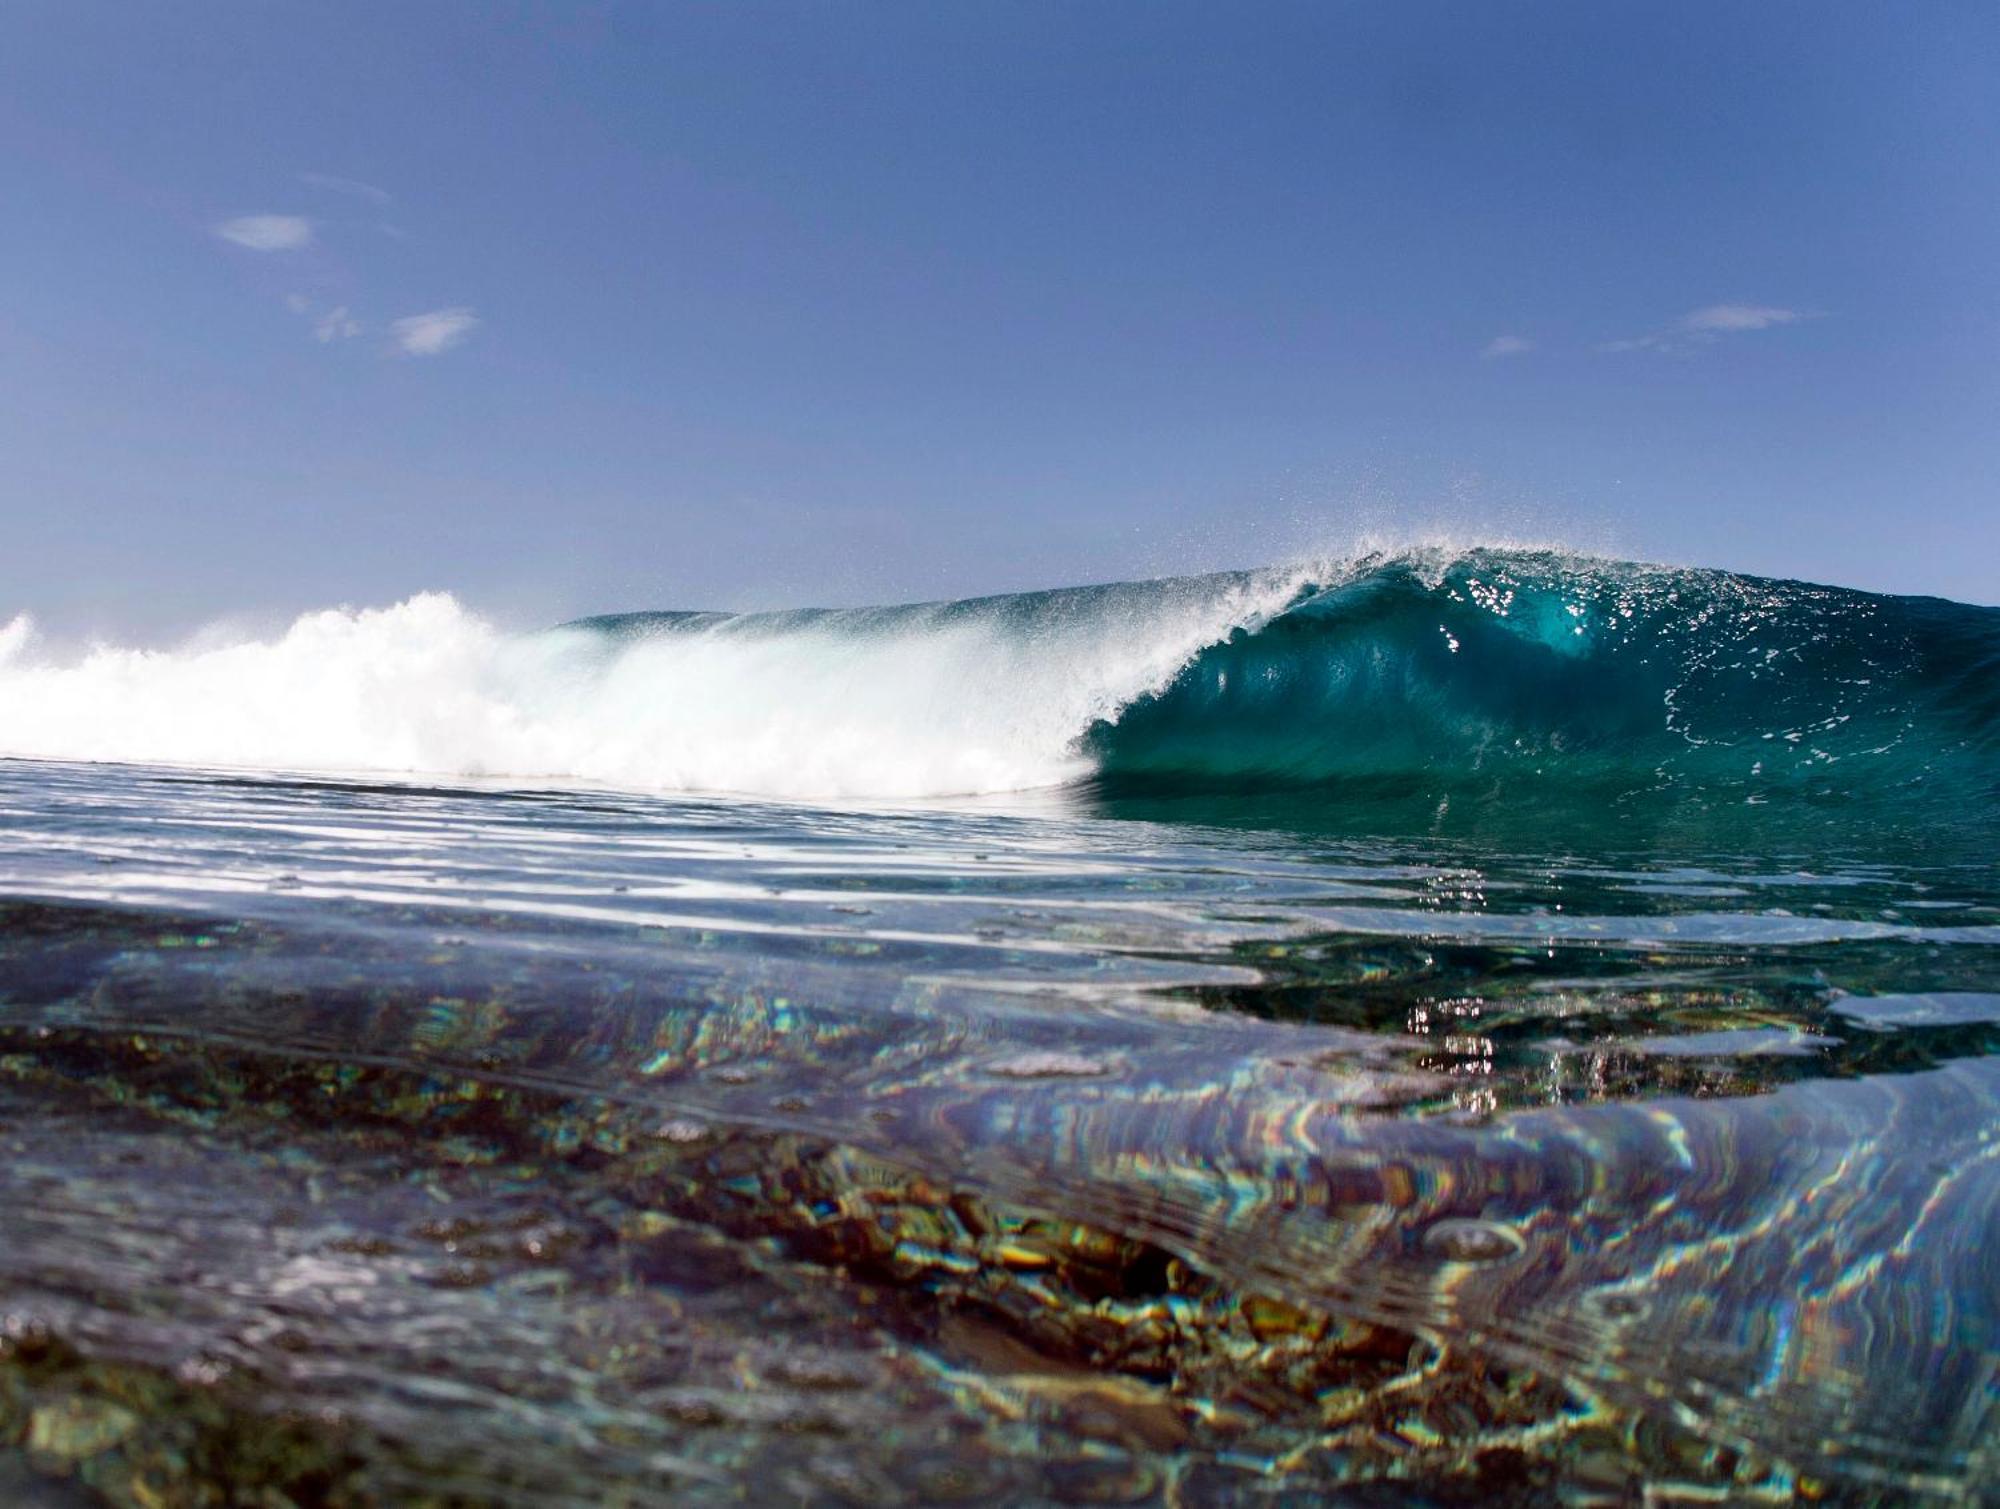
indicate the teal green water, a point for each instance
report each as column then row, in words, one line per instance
column 1612, row 699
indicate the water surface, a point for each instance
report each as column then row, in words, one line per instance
column 387, row 1143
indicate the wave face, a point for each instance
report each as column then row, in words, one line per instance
column 1401, row 685
column 1533, row 681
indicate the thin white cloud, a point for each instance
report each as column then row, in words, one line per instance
column 1709, row 323
column 352, row 187
column 434, row 331
column 1638, row 343
column 336, row 325
column 1729, row 317
column 268, row 233
column 1506, row 345
column 329, row 323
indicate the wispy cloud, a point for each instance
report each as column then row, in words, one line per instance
column 1506, row 345
column 329, row 323
column 267, row 233
column 1639, row 343
column 434, row 331
column 1700, row 326
column 336, row 325
column 352, row 187
column 1725, row 317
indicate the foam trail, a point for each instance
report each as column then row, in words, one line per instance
column 932, row 700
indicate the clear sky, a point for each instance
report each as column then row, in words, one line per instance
column 570, row 308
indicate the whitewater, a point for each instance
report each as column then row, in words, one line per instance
column 930, row 700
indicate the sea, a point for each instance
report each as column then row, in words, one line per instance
column 1470, row 1026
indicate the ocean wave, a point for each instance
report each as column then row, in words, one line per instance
column 1479, row 676
column 1522, row 678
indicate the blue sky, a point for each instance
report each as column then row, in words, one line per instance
column 585, row 307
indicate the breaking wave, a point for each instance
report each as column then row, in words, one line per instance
column 1487, row 675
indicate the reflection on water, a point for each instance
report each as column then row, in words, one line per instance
column 380, row 1144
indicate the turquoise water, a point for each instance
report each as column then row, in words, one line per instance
column 1493, row 1029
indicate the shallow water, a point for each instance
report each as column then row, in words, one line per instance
column 373, row 1142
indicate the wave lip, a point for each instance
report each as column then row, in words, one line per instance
column 1486, row 678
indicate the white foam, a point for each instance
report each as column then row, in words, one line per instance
column 912, row 702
